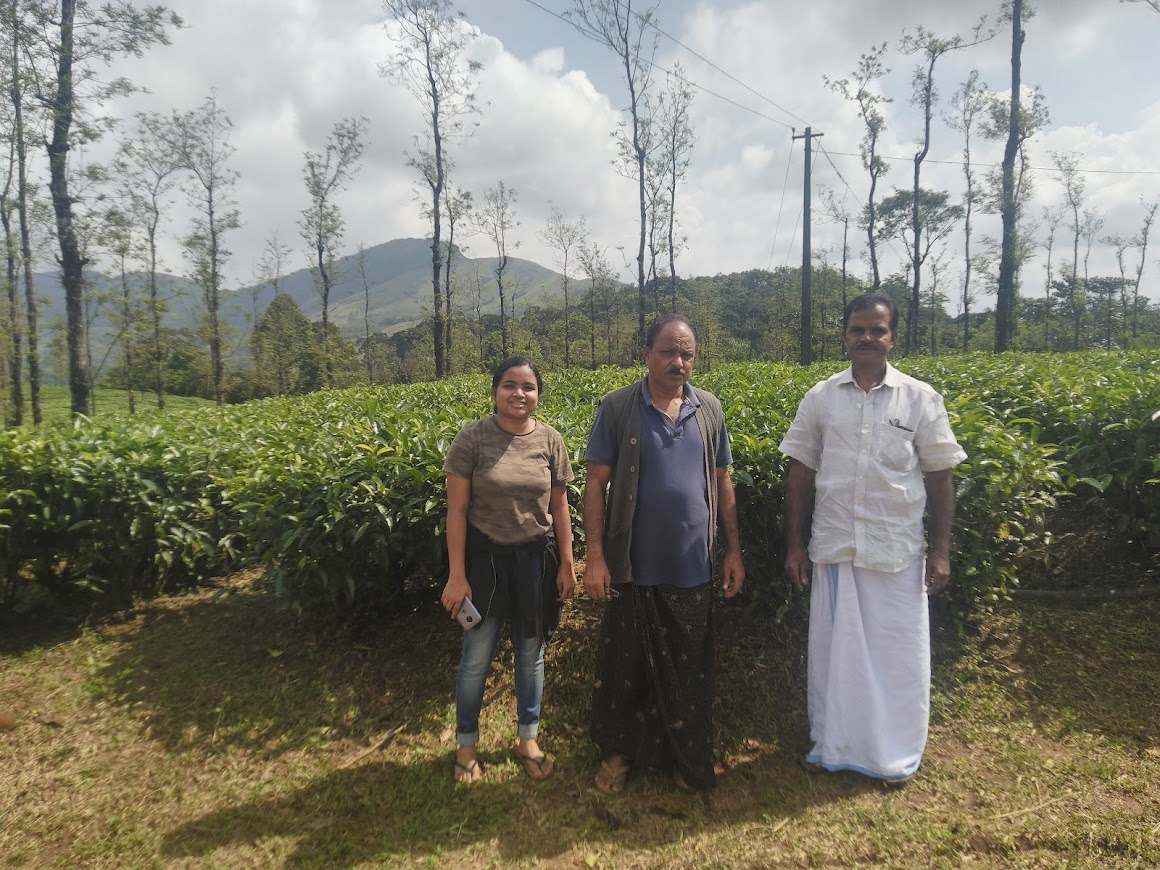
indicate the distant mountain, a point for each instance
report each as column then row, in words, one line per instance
column 398, row 273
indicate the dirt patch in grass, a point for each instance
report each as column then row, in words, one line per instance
column 207, row 731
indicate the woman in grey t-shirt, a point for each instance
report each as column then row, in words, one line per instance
column 509, row 546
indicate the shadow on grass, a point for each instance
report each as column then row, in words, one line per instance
column 211, row 676
column 18, row 634
column 238, row 672
column 405, row 812
column 1092, row 667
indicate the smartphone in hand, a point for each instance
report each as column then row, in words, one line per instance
column 468, row 616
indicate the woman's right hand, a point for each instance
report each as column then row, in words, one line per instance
column 454, row 592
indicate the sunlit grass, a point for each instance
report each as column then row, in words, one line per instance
column 225, row 733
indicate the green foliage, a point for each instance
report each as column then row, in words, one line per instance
column 340, row 496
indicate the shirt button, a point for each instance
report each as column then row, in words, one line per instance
column 630, row 498
column 632, row 469
column 632, row 441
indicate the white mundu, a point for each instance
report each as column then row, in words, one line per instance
column 869, row 642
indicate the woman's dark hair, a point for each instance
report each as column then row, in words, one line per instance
column 660, row 323
column 515, row 362
column 871, row 300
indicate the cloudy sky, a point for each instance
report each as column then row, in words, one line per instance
column 287, row 71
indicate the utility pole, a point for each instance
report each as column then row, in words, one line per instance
column 807, row 354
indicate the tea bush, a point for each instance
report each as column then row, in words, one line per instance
column 339, row 495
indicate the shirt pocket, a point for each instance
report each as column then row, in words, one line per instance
column 894, row 447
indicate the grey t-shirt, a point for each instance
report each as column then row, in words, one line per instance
column 511, row 478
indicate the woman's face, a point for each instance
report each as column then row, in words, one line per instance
column 517, row 395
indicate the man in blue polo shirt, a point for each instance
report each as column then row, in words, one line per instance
column 657, row 489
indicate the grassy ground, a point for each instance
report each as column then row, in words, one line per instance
column 56, row 407
column 218, row 732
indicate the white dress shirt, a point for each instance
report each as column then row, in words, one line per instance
column 870, row 450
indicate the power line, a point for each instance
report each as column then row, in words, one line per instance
column 850, row 192
column 793, row 238
column 723, row 72
column 596, row 37
column 998, row 165
column 780, row 205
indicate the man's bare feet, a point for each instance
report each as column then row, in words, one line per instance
column 612, row 774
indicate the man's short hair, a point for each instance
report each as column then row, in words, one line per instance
column 871, row 300
column 661, row 322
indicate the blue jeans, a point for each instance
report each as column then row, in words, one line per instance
column 478, row 651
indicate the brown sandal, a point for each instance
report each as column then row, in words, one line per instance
column 537, row 767
column 611, row 778
column 467, row 773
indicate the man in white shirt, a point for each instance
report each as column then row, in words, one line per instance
column 871, row 449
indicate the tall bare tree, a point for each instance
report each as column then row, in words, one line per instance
column 67, row 47
column 146, row 171
column 268, row 272
column 594, row 263
column 326, row 174
column 200, row 142
column 860, row 89
column 565, row 237
column 938, row 218
column 676, row 147
column 1074, row 187
column 14, row 346
column 1052, row 218
column 18, row 83
column 360, row 266
column 1119, row 244
column 430, row 62
column 968, row 103
column 836, row 210
column 458, row 204
column 1142, row 242
column 629, row 34
column 1093, row 223
column 117, row 238
column 497, row 217
column 1005, row 293
column 924, row 95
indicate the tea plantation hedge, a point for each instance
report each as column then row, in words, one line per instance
column 339, row 495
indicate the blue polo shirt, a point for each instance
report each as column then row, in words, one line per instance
column 670, row 526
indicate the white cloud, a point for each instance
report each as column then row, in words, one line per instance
column 286, row 72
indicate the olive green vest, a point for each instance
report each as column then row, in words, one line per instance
column 623, row 409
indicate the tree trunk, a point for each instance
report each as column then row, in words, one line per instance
column 436, row 235
column 31, row 311
column 155, row 313
column 1005, row 303
column 71, row 262
column 15, row 362
column 324, row 278
column 447, row 341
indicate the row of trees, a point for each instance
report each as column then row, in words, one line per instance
column 54, row 76
column 654, row 146
column 922, row 219
column 742, row 316
column 755, row 315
